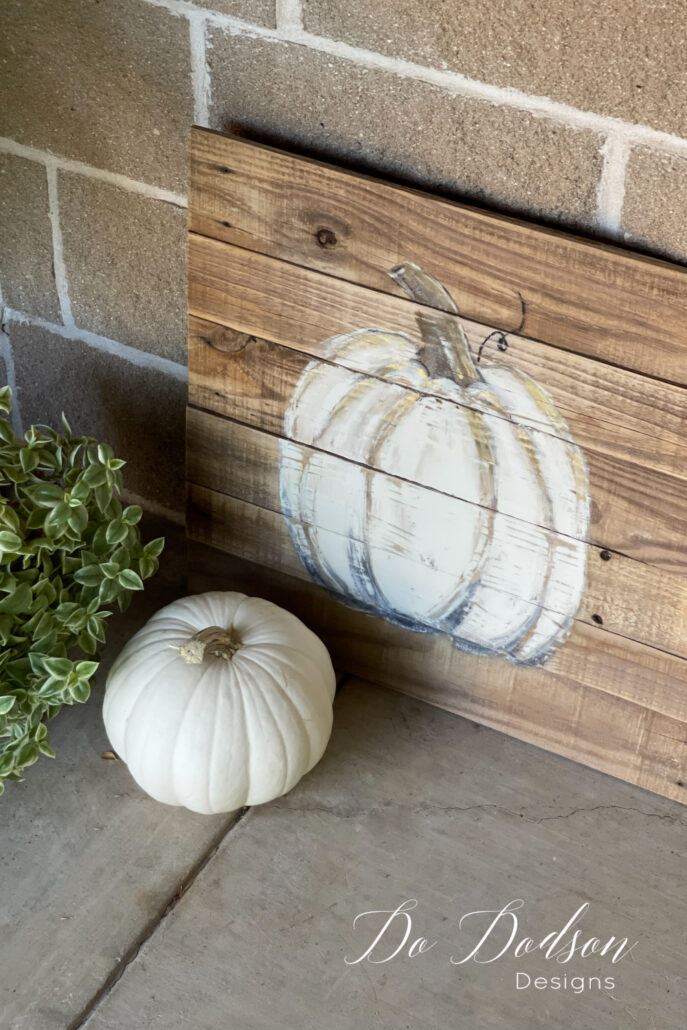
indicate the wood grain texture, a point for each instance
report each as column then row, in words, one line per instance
column 631, row 598
column 252, row 380
column 602, row 706
column 621, row 414
column 286, row 253
column 578, row 295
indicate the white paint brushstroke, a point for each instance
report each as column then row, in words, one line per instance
column 408, row 547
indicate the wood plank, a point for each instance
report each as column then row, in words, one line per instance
column 632, row 599
column 576, row 294
column 253, row 380
column 624, row 414
column 609, row 410
column 572, row 706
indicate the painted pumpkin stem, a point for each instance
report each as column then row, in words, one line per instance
column 212, row 641
column 446, row 349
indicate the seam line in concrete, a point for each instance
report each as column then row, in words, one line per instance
column 141, row 358
column 289, row 16
column 139, row 943
column 61, row 282
column 611, row 189
column 65, row 164
column 200, row 76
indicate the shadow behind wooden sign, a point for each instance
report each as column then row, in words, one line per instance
column 451, row 442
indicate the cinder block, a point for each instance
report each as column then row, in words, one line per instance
column 105, row 83
column 125, row 259
column 293, row 95
column 621, row 59
column 655, row 207
column 138, row 411
column 27, row 280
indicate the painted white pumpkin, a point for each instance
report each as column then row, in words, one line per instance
column 451, row 513
column 220, row 701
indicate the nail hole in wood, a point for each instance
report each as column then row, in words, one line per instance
column 224, row 170
column 325, row 237
column 680, row 783
column 227, row 225
column 605, row 555
column 597, row 619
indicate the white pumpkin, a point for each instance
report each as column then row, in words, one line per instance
column 451, row 514
column 220, row 701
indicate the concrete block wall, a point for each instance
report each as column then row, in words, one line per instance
column 571, row 114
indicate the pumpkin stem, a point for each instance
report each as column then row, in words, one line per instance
column 212, row 641
column 446, row 349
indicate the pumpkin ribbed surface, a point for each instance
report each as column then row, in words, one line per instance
column 223, row 733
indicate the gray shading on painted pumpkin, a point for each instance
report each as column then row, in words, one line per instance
column 463, row 503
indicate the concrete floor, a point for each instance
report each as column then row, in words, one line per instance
column 119, row 913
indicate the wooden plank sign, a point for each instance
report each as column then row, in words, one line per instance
column 457, row 443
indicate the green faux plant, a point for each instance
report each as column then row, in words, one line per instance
column 68, row 552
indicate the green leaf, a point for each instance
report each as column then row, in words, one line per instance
column 132, row 514
column 103, row 496
column 6, row 431
column 45, row 749
column 46, row 495
column 66, row 425
column 29, row 459
column 18, row 601
column 116, row 532
column 108, row 591
column 154, row 548
column 57, row 520
column 105, row 453
column 9, row 541
column 41, row 732
column 28, row 754
column 80, row 691
column 6, row 399
column 6, row 703
column 87, row 643
column 57, row 667
column 89, row 576
column 78, row 520
column 115, row 463
column 147, row 566
column 95, row 475
column 130, row 580
column 84, row 670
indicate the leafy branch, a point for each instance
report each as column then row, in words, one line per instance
column 68, row 553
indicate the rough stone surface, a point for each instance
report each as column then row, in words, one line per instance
column 259, row 12
column 655, row 207
column 139, row 411
column 412, row 803
column 89, row 861
column 105, row 83
column 624, row 60
column 125, row 256
column 27, row 282
column 292, row 95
